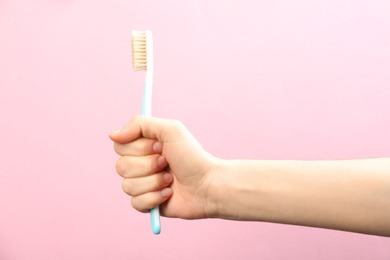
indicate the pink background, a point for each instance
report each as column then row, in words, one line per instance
column 256, row 79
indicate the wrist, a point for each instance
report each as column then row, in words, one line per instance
column 236, row 190
column 217, row 189
column 246, row 190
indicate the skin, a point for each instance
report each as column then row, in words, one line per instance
column 163, row 164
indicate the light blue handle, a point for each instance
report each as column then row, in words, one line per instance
column 146, row 110
column 155, row 219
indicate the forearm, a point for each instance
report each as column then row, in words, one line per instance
column 344, row 195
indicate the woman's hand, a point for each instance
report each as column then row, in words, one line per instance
column 162, row 163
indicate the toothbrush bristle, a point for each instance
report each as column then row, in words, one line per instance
column 139, row 50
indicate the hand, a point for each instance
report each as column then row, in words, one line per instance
column 162, row 163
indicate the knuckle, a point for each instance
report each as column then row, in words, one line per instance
column 117, row 148
column 143, row 203
column 120, row 168
column 175, row 123
column 136, row 205
column 136, row 119
column 128, row 187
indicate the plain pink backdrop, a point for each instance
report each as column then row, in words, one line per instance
column 257, row 79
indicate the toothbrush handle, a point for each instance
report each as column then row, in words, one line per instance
column 147, row 111
column 155, row 219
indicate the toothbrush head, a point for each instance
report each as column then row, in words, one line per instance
column 139, row 50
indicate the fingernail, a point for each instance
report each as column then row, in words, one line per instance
column 157, row 147
column 116, row 131
column 166, row 192
column 167, row 177
column 161, row 161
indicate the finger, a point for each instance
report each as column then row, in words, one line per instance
column 149, row 200
column 154, row 182
column 132, row 166
column 144, row 126
column 139, row 147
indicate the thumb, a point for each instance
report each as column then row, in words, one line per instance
column 140, row 126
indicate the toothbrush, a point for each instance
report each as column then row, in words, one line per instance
column 143, row 60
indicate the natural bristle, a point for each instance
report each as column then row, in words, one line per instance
column 139, row 50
